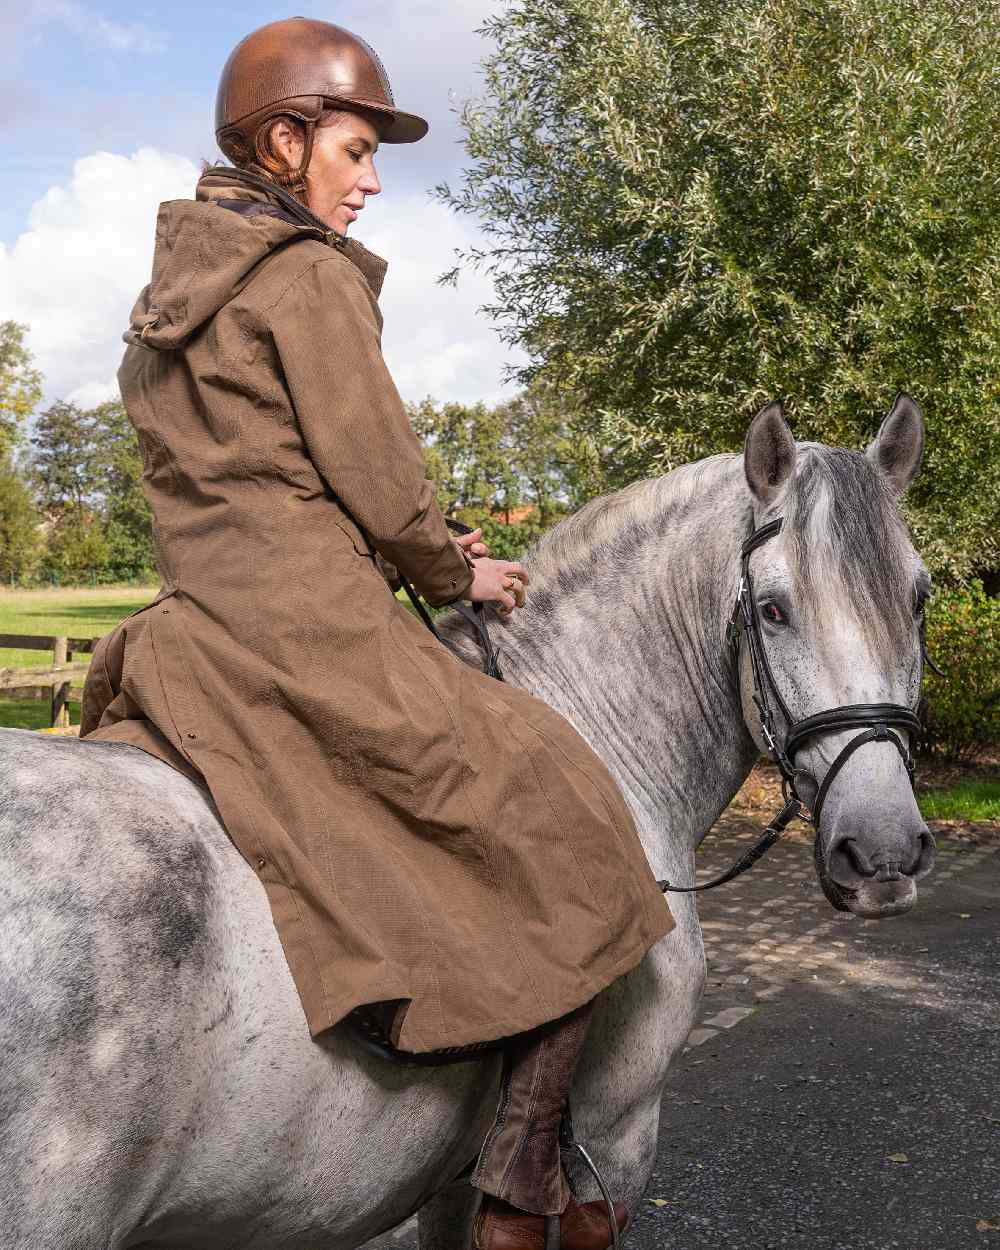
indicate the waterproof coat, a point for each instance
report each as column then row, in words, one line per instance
column 424, row 833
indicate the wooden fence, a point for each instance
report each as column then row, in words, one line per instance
column 57, row 682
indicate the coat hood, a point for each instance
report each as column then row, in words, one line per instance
column 208, row 248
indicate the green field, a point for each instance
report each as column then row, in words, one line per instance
column 81, row 613
column 84, row 613
column 969, row 800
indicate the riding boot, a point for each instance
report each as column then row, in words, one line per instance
column 519, row 1168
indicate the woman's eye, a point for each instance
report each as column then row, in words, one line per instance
column 355, row 156
column 770, row 611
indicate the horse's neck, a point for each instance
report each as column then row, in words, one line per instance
column 635, row 658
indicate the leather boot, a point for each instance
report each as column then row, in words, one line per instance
column 499, row 1226
column 520, row 1168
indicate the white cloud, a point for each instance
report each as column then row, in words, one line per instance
column 436, row 341
column 74, row 274
column 81, row 20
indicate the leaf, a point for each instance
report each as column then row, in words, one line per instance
column 965, row 915
column 984, row 1226
column 659, row 1202
column 898, row 1158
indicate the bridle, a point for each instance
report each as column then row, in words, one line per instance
column 878, row 722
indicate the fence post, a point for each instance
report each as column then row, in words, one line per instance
column 61, row 654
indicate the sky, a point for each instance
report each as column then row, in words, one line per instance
column 106, row 108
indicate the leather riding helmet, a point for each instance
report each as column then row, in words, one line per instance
column 300, row 68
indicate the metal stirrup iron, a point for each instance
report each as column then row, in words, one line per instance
column 569, row 1145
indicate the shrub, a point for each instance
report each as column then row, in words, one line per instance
column 962, row 712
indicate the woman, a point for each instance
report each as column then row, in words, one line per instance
column 430, row 840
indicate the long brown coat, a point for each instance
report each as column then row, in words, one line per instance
column 423, row 832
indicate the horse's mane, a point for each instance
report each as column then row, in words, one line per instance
column 843, row 534
column 610, row 527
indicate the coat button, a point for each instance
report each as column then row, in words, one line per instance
column 192, row 735
column 261, row 865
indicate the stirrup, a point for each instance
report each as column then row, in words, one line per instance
column 569, row 1145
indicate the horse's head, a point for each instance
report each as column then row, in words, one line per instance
column 834, row 612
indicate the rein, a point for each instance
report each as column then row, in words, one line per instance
column 878, row 722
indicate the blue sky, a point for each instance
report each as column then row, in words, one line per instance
column 86, row 87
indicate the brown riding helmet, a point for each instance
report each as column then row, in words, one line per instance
column 299, row 68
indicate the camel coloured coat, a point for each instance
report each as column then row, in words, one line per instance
column 424, row 833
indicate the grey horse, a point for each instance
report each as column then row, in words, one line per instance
column 158, row 1086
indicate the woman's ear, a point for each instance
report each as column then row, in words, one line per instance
column 769, row 454
column 280, row 147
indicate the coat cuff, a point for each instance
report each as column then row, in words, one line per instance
column 447, row 578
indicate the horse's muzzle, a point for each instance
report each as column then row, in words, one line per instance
column 874, row 876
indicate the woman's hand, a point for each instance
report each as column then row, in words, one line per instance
column 498, row 581
column 472, row 545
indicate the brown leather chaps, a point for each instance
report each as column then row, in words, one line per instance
column 520, row 1161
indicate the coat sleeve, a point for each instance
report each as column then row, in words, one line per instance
column 326, row 329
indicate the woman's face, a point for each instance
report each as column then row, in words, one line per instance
column 341, row 170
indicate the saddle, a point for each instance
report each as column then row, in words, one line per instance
column 370, row 1027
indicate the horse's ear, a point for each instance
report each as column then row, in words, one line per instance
column 899, row 444
column 769, row 453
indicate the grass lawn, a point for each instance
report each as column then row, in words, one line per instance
column 31, row 713
column 968, row 800
column 83, row 613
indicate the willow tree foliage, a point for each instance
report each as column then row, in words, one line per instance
column 693, row 206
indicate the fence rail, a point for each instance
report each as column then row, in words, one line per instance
column 55, row 682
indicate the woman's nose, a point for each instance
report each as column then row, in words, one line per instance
column 369, row 183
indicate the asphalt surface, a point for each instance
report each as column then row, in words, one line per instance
column 842, row 1089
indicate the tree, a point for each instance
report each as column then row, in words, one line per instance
column 63, row 459
column 693, row 206
column 21, row 541
column 20, row 386
column 126, row 516
column 87, row 469
column 77, row 548
column 525, row 452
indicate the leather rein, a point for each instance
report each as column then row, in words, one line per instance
column 878, row 722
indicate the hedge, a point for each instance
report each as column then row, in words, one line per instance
column 962, row 708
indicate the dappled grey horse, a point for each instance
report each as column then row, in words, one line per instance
column 158, row 1085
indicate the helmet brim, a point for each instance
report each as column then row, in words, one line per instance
column 394, row 126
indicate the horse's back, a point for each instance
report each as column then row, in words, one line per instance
column 106, row 907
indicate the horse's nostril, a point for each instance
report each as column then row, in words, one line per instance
column 859, row 859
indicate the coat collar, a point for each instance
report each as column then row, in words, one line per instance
column 220, row 182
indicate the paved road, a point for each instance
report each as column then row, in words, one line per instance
column 842, row 1088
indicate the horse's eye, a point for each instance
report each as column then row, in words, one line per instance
column 770, row 611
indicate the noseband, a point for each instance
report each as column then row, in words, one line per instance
column 878, row 722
